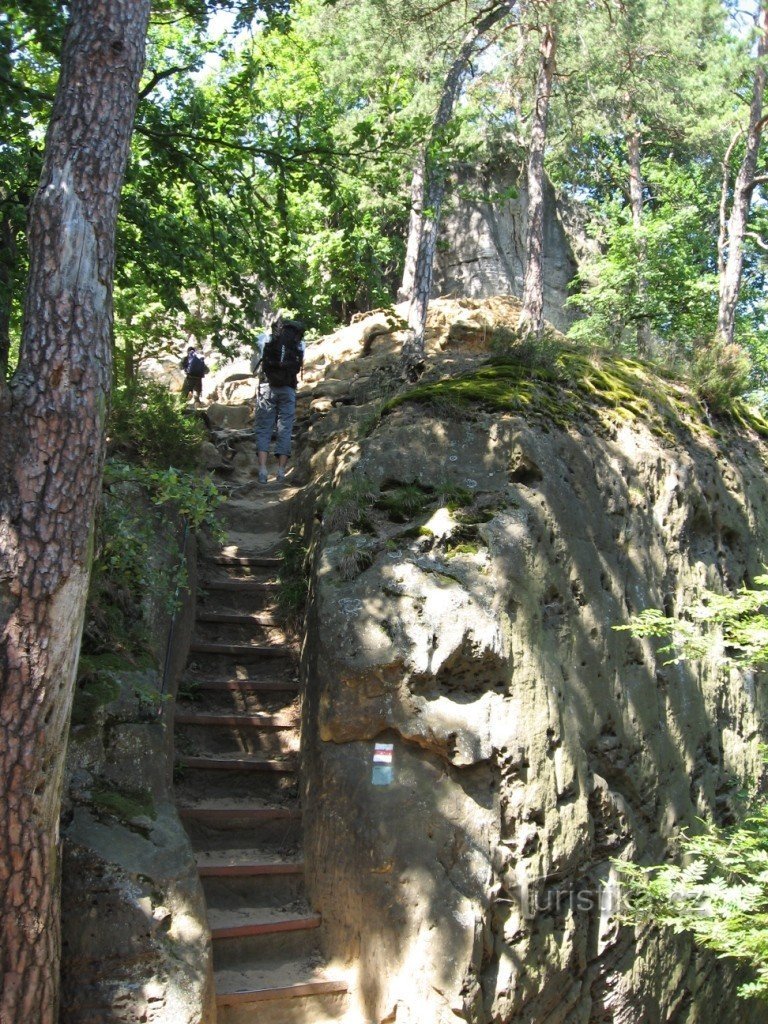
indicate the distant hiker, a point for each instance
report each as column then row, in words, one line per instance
column 194, row 367
column 279, row 357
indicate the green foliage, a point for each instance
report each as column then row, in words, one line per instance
column 720, row 892
column 537, row 352
column 193, row 497
column 673, row 252
column 404, row 502
column 455, row 496
column 353, row 556
column 720, row 373
column 734, row 626
column 149, row 424
column 129, row 573
column 346, row 505
column 294, row 575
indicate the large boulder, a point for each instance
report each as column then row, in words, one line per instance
column 464, row 869
column 135, row 939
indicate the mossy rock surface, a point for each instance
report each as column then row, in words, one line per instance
column 578, row 386
column 124, row 804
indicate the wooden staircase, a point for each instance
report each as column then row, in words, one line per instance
column 237, row 735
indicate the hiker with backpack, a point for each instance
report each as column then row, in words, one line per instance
column 194, row 367
column 279, row 358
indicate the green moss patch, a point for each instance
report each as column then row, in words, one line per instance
column 125, row 804
column 91, row 693
column 592, row 385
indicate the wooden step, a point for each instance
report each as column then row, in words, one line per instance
column 237, row 721
column 259, row 927
column 242, row 650
column 234, row 812
column 240, row 586
column 258, row 561
column 231, row 684
column 237, row 763
column 239, row 618
column 262, row 995
column 252, row 870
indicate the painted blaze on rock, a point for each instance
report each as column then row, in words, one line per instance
column 532, row 742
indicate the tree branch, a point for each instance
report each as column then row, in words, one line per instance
column 159, row 76
column 759, row 241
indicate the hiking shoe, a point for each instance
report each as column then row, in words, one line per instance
column 263, row 476
column 281, row 476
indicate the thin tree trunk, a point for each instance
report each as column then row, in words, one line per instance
column 722, row 236
column 423, row 230
column 733, row 243
column 634, row 151
column 415, row 219
column 51, row 455
column 532, row 313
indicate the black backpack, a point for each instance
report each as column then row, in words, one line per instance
column 283, row 355
column 197, row 367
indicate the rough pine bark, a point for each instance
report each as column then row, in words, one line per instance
column 425, row 218
column 532, row 313
column 8, row 260
column 51, row 454
column 731, row 256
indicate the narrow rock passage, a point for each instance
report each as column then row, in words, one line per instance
column 237, row 740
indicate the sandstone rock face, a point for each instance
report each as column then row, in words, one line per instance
column 531, row 742
column 482, row 242
column 135, row 940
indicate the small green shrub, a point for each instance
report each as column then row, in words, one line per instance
column 455, row 496
column 149, row 424
column 126, row 573
column 354, row 557
column 404, row 502
column 720, row 373
column 293, row 575
column 346, row 505
column 540, row 353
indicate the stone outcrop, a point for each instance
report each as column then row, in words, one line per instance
column 481, row 250
column 470, row 569
column 135, row 941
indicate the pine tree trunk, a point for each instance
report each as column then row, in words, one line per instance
column 423, row 229
column 733, row 243
column 636, row 207
column 532, row 313
column 51, row 453
column 8, row 262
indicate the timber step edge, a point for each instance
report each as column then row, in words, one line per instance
column 238, row 764
column 256, row 927
column 258, row 561
column 235, row 685
column 262, row 995
column 247, row 650
column 239, row 618
column 252, row 870
column 240, row 586
column 237, row 720
column 232, row 812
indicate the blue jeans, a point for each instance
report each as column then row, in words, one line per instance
column 275, row 406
